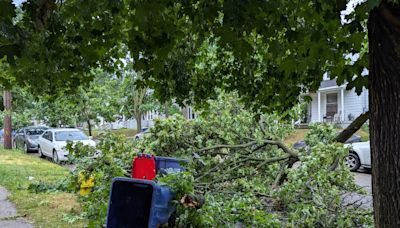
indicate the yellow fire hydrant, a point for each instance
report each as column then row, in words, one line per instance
column 86, row 184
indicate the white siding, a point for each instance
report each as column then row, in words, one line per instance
column 365, row 100
column 353, row 104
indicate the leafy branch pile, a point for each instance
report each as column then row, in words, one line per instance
column 239, row 171
column 246, row 174
column 114, row 161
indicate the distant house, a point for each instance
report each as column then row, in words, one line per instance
column 333, row 103
column 147, row 119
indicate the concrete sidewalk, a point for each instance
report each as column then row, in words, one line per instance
column 8, row 213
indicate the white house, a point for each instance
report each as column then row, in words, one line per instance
column 333, row 103
column 147, row 119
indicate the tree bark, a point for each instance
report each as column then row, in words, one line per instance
column 138, row 117
column 89, row 127
column 185, row 112
column 352, row 128
column 166, row 109
column 7, row 100
column 384, row 103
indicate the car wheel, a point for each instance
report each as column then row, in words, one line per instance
column 26, row 150
column 55, row 157
column 352, row 161
column 40, row 152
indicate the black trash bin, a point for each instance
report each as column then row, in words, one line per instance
column 138, row 203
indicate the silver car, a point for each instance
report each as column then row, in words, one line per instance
column 26, row 138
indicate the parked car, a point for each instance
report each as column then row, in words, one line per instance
column 27, row 138
column 2, row 133
column 359, row 156
column 53, row 141
column 142, row 133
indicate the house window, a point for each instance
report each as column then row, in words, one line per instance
column 331, row 104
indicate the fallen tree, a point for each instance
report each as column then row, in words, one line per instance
column 239, row 171
column 245, row 171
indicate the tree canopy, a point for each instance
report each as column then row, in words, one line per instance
column 269, row 52
column 54, row 43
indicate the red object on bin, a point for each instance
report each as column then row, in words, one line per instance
column 144, row 167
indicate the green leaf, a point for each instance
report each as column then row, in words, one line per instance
column 373, row 4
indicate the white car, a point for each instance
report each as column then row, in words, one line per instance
column 359, row 156
column 53, row 141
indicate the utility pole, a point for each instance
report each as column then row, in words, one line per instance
column 7, row 134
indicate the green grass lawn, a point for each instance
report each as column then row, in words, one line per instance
column 43, row 209
column 299, row 134
column 296, row 136
column 364, row 134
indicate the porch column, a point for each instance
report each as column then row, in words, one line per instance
column 342, row 103
column 319, row 106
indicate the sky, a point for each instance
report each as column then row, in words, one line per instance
column 18, row 2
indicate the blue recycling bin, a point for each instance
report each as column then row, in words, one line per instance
column 163, row 164
column 138, row 203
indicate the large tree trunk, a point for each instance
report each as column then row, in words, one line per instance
column 89, row 127
column 384, row 102
column 138, row 117
column 7, row 101
column 166, row 109
column 185, row 112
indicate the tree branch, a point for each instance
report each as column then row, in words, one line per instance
column 227, row 146
column 281, row 172
column 261, row 123
column 279, row 144
column 218, row 167
column 348, row 132
column 282, row 146
column 265, row 162
column 352, row 128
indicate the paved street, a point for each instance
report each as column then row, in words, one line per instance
column 363, row 179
